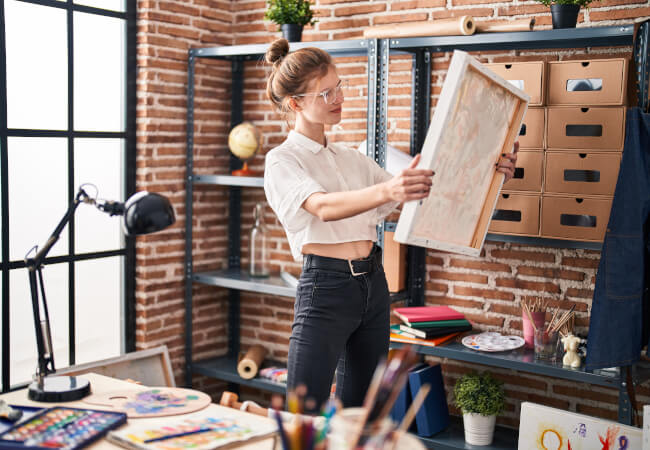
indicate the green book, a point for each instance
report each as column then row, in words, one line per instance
column 441, row 323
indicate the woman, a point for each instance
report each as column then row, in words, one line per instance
column 329, row 200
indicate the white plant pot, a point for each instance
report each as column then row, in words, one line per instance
column 479, row 430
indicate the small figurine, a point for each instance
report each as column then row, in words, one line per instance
column 571, row 358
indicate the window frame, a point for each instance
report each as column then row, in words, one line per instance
column 128, row 136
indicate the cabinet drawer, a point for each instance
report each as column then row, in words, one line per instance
column 532, row 130
column 571, row 217
column 516, row 213
column 530, row 77
column 585, row 128
column 581, row 173
column 589, row 82
column 528, row 173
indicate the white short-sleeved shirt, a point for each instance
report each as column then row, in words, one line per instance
column 300, row 167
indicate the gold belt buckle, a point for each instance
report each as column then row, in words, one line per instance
column 354, row 274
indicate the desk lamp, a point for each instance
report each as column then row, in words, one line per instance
column 144, row 213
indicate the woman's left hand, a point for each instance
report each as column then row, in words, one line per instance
column 507, row 163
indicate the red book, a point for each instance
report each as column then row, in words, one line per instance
column 414, row 314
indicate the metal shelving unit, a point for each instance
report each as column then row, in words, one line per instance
column 378, row 52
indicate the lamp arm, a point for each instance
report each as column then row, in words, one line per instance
column 34, row 266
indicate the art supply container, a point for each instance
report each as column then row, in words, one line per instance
column 546, row 344
column 529, row 331
column 345, row 425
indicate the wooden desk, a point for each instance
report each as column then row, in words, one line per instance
column 101, row 384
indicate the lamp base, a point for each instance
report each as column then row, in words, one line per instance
column 59, row 389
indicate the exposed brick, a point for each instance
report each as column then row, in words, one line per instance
column 523, row 255
column 617, row 14
column 587, row 263
column 346, row 23
column 485, row 293
column 456, row 276
column 581, row 293
column 398, row 18
column 551, row 273
column 480, row 265
column 414, row 4
column 528, row 285
column 360, row 9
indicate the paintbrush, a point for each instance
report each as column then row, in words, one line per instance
column 175, row 435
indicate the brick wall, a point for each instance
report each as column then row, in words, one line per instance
column 488, row 289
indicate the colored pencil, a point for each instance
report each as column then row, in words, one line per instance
column 283, row 436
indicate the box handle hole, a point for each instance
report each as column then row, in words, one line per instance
column 579, row 200
column 585, row 63
column 508, row 66
column 505, row 195
column 584, row 110
column 582, row 155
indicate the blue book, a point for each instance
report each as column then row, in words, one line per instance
column 404, row 400
column 433, row 415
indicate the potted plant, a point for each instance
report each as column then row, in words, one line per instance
column 291, row 16
column 564, row 13
column 481, row 398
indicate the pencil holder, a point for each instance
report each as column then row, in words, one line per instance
column 529, row 331
column 345, row 426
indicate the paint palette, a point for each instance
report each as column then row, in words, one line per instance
column 152, row 402
column 61, row 427
column 492, row 342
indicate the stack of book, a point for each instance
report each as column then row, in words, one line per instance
column 428, row 325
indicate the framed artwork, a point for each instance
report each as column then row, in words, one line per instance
column 478, row 117
column 543, row 427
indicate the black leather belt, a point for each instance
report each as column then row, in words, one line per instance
column 355, row 267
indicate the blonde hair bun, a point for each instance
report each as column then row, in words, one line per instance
column 277, row 51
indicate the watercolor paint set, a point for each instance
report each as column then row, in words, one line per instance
column 62, row 428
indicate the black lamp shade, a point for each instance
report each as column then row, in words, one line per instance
column 147, row 212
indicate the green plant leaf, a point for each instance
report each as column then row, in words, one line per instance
column 479, row 394
column 290, row 11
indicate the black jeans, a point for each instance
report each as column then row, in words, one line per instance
column 341, row 322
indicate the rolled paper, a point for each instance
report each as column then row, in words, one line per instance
column 250, row 364
column 497, row 26
column 453, row 26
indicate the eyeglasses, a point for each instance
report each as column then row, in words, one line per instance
column 329, row 95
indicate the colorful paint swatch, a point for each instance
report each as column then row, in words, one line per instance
column 63, row 428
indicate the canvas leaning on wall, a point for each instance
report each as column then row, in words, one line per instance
column 543, row 427
column 478, row 117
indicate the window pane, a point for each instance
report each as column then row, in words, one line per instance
column 99, row 287
column 37, row 66
column 24, row 356
column 98, row 73
column 99, row 162
column 38, row 176
column 113, row 5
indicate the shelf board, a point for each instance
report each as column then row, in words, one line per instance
column 229, row 180
column 225, row 368
column 241, row 280
column 454, row 438
column 546, row 242
column 560, row 38
column 521, row 360
column 349, row 47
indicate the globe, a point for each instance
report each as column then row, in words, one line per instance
column 244, row 142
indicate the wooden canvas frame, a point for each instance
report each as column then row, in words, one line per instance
column 478, row 117
column 151, row 367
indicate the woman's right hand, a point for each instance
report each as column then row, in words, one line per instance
column 410, row 184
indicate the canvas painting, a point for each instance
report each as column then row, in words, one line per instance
column 477, row 118
column 546, row 428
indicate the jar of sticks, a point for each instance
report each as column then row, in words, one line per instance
column 533, row 317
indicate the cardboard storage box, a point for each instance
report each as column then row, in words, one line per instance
column 530, row 77
column 533, row 130
column 394, row 263
column 516, row 213
column 589, row 82
column 585, row 128
column 575, row 218
column 528, row 172
column 581, row 173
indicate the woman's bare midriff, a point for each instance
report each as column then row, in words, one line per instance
column 345, row 250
